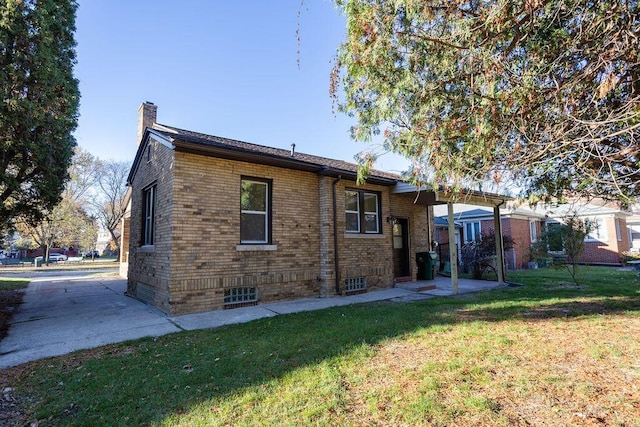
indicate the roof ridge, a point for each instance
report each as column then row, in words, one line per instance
column 206, row 135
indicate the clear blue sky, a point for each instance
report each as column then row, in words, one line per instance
column 226, row 68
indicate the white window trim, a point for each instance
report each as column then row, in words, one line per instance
column 376, row 213
column 356, row 212
column 602, row 235
column 361, row 213
column 466, row 237
column 549, row 223
column 533, row 231
column 265, row 222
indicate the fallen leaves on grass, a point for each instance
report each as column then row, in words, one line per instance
column 516, row 373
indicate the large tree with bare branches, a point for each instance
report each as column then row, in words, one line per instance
column 69, row 223
column 543, row 92
column 108, row 202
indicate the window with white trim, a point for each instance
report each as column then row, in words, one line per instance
column 598, row 232
column 618, row 229
column 472, row 232
column 533, row 231
column 255, row 211
column 362, row 211
column 149, row 215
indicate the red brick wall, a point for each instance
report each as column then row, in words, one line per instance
column 517, row 228
column 608, row 250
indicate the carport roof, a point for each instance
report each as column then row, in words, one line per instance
column 428, row 197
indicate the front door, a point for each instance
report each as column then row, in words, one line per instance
column 401, row 266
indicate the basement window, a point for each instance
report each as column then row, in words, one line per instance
column 240, row 297
column 355, row 285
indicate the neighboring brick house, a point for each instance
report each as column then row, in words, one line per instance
column 604, row 245
column 218, row 223
column 523, row 225
column 633, row 232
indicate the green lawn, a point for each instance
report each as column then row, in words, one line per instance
column 85, row 264
column 549, row 352
column 10, row 283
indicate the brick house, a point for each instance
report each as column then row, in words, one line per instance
column 217, row 223
column 633, row 232
column 603, row 246
column 610, row 237
column 523, row 225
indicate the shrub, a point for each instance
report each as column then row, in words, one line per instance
column 480, row 256
column 627, row 256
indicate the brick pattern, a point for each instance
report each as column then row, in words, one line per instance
column 125, row 227
column 206, row 232
column 196, row 254
column 518, row 229
column 595, row 252
column 326, row 235
column 608, row 251
column 152, row 266
column 147, row 114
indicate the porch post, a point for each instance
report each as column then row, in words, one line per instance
column 500, row 271
column 453, row 250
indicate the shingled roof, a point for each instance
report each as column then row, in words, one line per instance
column 186, row 140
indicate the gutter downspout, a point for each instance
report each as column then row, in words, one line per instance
column 335, row 236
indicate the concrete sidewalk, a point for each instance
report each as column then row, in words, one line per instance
column 73, row 311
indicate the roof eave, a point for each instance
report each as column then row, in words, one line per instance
column 438, row 197
column 141, row 147
column 238, row 154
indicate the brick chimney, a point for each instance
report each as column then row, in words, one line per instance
column 147, row 114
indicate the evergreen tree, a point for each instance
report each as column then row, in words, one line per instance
column 39, row 101
column 547, row 92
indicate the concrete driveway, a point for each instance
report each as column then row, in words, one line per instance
column 66, row 311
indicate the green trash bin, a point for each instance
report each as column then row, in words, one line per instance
column 425, row 265
column 432, row 264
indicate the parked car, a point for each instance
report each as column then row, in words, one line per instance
column 92, row 254
column 57, row 257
